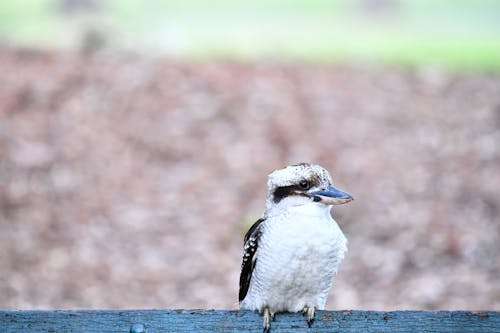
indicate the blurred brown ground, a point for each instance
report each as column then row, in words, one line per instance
column 128, row 182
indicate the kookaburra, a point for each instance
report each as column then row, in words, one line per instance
column 292, row 253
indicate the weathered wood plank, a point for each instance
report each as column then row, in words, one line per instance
column 152, row 321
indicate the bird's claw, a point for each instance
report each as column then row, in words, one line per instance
column 267, row 320
column 309, row 310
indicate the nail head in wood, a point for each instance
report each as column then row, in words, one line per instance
column 137, row 328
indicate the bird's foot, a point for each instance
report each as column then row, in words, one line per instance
column 309, row 311
column 267, row 320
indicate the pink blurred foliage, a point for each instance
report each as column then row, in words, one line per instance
column 128, row 182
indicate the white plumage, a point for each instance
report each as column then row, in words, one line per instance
column 293, row 252
column 298, row 255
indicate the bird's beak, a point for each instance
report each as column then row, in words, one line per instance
column 331, row 196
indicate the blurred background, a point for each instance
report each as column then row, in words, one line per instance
column 136, row 138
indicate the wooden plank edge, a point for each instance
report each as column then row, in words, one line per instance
column 152, row 321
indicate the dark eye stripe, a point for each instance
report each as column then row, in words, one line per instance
column 284, row 191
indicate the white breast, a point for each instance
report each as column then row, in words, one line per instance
column 298, row 256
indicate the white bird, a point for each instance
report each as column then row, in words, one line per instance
column 293, row 252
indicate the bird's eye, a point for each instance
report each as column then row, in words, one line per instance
column 304, row 184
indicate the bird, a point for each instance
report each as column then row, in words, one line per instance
column 292, row 253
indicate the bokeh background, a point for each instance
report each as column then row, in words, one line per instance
column 136, row 138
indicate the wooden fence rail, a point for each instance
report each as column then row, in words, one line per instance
column 155, row 321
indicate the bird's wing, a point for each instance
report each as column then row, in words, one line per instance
column 249, row 260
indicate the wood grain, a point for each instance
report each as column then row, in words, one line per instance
column 152, row 321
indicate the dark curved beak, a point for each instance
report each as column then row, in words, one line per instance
column 331, row 196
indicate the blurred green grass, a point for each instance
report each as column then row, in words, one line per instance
column 457, row 34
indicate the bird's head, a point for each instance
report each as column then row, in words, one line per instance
column 303, row 184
